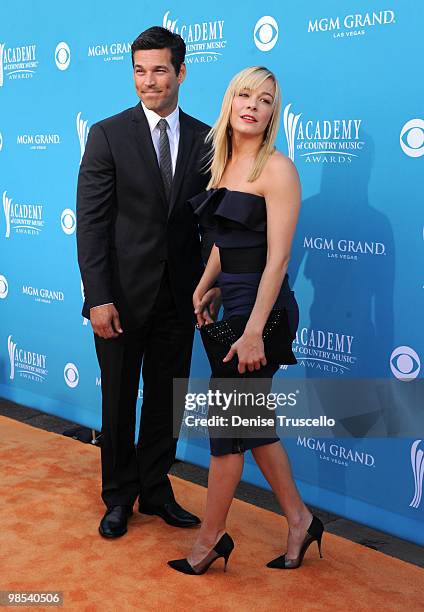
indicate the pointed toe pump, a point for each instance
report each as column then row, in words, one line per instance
column 222, row 548
column 314, row 534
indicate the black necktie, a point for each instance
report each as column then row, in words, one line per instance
column 165, row 161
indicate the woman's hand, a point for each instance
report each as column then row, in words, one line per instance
column 250, row 351
column 206, row 305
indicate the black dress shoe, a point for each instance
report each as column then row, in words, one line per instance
column 114, row 522
column 314, row 534
column 172, row 513
column 222, row 548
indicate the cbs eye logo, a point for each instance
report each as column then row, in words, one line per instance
column 4, row 287
column 265, row 33
column 412, row 138
column 68, row 221
column 62, row 56
column 405, row 363
column 71, row 375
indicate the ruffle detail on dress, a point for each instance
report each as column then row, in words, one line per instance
column 247, row 209
column 205, row 204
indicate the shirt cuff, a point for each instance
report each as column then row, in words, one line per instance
column 98, row 306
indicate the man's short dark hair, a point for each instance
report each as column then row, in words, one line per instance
column 161, row 38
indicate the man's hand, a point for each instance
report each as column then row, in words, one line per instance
column 105, row 321
column 206, row 306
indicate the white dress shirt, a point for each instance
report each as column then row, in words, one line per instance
column 173, row 131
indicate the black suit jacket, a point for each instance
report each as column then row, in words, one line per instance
column 125, row 229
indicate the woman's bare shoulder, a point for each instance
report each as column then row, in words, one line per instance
column 278, row 162
column 279, row 169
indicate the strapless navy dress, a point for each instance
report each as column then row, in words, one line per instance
column 236, row 222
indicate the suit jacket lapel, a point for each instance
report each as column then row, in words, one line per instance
column 185, row 148
column 147, row 151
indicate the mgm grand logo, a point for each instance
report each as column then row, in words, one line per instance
column 343, row 248
column 336, row 453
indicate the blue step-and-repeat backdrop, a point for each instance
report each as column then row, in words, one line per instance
column 352, row 121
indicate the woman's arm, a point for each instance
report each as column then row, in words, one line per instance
column 281, row 188
column 211, row 271
column 282, row 195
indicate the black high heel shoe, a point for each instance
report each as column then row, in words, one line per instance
column 315, row 531
column 222, row 548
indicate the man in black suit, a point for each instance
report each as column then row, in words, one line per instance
column 140, row 261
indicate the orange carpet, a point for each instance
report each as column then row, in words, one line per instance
column 50, row 509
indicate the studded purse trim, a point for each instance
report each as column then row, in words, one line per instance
column 224, row 333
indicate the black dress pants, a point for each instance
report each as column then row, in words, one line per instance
column 161, row 349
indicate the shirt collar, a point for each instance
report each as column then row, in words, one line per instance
column 153, row 118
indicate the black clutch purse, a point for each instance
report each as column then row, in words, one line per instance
column 219, row 336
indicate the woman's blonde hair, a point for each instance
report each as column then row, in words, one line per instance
column 220, row 135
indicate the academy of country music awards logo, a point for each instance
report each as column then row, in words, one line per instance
column 324, row 350
column 31, row 365
column 22, row 218
column 21, row 62
column 343, row 249
column 82, row 132
column 17, row 62
column 332, row 352
column 204, row 41
column 322, row 141
column 417, row 464
column 26, row 363
column 351, row 24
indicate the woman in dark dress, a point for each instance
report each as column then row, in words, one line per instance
column 249, row 212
